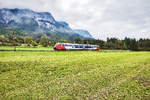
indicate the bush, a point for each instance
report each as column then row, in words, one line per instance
column 44, row 41
column 24, row 45
column 34, row 43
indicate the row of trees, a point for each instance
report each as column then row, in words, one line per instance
column 28, row 40
column 114, row 43
column 111, row 43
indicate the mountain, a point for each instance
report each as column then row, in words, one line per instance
column 37, row 24
column 83, row 33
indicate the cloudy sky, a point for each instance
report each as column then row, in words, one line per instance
column 102, row 18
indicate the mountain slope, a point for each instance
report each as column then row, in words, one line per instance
column 83, row 33
column 37, row 24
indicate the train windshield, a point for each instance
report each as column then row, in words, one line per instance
column 58, row 44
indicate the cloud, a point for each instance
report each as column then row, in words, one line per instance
column 102, row 18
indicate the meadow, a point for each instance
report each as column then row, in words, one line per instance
column 89, row 75
column 19, row 48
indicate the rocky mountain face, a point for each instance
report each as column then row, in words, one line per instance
column 83, row 33
column 37, row 24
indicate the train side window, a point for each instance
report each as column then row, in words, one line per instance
column 76, row 46
column 89, row 46
column 66, row 44
column 81, row 46
column 86, row 46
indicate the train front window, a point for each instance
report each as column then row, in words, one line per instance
column 58, row 45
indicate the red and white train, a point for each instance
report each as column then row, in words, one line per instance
column 70, row 46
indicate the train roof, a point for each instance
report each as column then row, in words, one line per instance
column 76, row 44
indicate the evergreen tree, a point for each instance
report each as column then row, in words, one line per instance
column 78, row 40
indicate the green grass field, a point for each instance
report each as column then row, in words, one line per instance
column 88, row 75
column 25, row 48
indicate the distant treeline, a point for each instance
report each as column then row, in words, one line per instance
column 111, row 43
column 114, row 43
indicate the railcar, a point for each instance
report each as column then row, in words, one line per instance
column 70, row 46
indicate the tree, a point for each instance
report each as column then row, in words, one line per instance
column 133, row 44
column 118, row 44
column 2, row 38
column 44, row 41
column 52, row 43
column 34, row 43
column 64, row 41
column 127, row 42
column 27, row 40
column 78, row 40
column 124, row 46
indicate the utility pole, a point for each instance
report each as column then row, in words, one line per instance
column 14, row 40
column 87, row 42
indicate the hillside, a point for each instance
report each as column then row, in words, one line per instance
column 37, row 24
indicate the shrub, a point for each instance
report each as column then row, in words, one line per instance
column 34, row 43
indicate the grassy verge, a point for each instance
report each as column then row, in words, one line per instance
column 25, row 48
